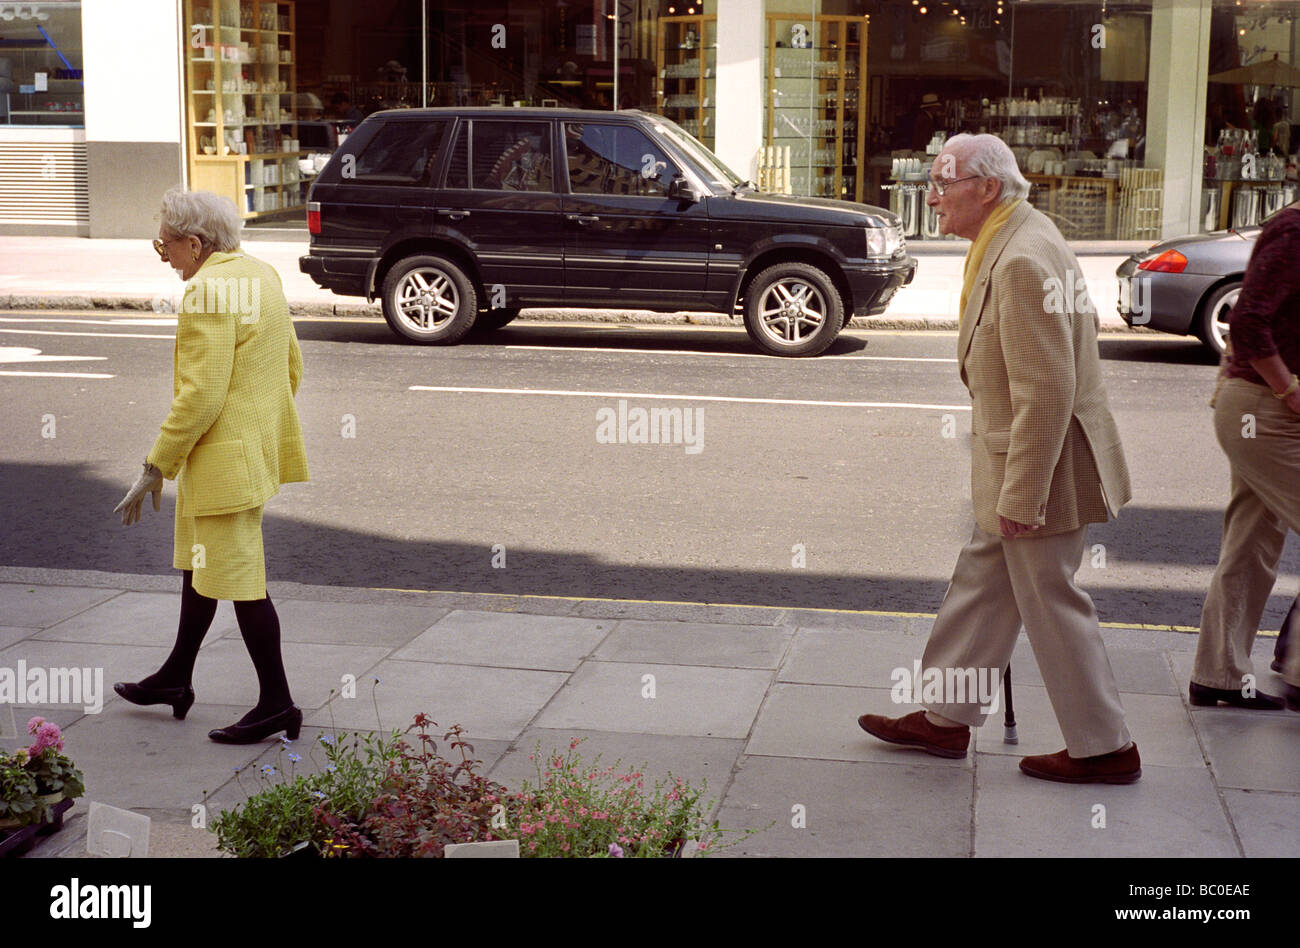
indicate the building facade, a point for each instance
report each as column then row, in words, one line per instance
column 1133, row 120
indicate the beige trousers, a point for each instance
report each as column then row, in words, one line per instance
column 999, row 584
column 1265, row 501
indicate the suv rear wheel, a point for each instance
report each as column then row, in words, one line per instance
column 429, row 300
column 793, row 309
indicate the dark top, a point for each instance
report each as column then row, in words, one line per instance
column 1266, row 319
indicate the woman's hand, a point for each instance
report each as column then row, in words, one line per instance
column 150, row 482
column 1292, row 401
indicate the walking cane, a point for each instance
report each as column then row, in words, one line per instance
column 1009, row 735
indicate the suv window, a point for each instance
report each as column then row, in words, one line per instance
column 401, row 153
column 615, row 159
column 501, row 156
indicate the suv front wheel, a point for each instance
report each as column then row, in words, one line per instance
column 429, row 300
column 793, row 309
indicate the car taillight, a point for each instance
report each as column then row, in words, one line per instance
column 1171, row 261
column 313, row 217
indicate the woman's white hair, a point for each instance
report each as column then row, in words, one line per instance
column 210, row 217
column 989, row 156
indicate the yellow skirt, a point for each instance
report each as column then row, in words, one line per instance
column 225, row 553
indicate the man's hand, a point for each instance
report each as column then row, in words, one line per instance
column 1292, row 401
column 150, row 482
column 1010, row 529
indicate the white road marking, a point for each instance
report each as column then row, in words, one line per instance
column 124, row 321
column 24, row 354
column 684, row 398
column 60, row 375
column 97, row 335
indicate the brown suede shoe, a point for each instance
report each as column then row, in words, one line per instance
column 915, row 731
column 1115, row 767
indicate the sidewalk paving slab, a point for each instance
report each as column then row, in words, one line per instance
column 760, row 701
column 850, row 809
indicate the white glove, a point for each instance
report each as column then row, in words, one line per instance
column 150, row 482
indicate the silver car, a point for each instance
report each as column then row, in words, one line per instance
column 1187, row 285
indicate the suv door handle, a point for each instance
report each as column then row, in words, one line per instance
column 582, row 218
column 454, row 215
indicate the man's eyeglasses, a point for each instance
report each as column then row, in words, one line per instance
column 942, row 186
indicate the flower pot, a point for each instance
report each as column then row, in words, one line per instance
column 16, row 840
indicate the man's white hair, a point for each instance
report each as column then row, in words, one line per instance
column 210, row 217
column 989, row 156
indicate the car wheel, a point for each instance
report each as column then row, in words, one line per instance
column 494, row 319
column 1213, row 328
column 793, row 309
column 429, row 300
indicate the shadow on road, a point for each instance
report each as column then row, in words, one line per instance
column 59, row 517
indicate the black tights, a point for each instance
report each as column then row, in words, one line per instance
column 260, row 627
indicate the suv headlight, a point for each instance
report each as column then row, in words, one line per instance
column 884, row 241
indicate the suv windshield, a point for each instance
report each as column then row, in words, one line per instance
column 718, row 174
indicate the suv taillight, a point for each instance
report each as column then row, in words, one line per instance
column 313, row 217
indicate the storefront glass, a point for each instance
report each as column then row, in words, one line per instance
column 40, row 64
column 1063, row 84
column 1251, row 133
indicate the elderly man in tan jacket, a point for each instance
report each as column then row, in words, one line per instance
column 1046, row 461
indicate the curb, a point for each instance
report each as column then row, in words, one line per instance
column 82, row 303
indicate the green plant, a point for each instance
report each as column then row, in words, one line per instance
column 18, row 792
column 283, row 813
column 583, row 810
column 38, row 771
column 425, row 802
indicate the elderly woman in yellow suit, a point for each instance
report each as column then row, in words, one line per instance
column 231, row 439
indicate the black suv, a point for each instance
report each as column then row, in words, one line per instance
column 457, row 218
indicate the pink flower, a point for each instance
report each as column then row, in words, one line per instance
column 615, row 851
column 564, row 848
column 574, row 743
column 582, row 811
column 532, row 845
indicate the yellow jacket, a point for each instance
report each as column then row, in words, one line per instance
column 232, row 435
column 1045, row 448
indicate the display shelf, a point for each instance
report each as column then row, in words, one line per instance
column 686, row 64
column 243, row 51
column 814, row 68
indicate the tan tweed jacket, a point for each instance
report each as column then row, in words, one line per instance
column 232, row 435
column 1044, row 449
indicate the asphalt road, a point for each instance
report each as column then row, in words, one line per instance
column 856, row 464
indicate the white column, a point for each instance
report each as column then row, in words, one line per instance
column 1180, row 48
column 135, row 131
column 739, row 112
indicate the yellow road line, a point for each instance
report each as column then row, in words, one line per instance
column 738, row 605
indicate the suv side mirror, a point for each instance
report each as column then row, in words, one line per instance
column 683, row 190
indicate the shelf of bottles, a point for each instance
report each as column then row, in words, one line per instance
column 243, row 114
column 687, row 73
column 813, row 108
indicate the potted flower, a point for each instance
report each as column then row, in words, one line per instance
column 19, row 804
column 57, row 778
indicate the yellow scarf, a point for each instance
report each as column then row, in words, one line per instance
column 975, row 256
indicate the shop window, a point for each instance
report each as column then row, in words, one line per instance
column 41, row 81
column 613, row 159
column 401, row 153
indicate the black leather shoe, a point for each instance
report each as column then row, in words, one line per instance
column 1292, row 698
column 289, row 720
column 179, row 698
column 1209, row 697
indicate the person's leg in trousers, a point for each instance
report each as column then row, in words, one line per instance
column 260, row 627
column 1287, row 633
column 977, row 624
column 1061, row 624
column 197, row 612
column 1253, row 538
